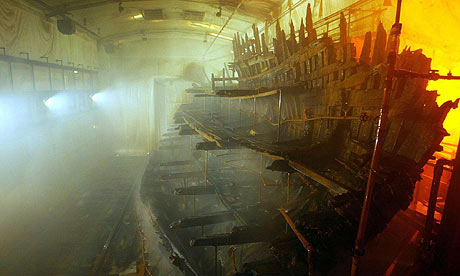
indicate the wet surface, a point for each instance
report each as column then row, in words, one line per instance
column 70, row 237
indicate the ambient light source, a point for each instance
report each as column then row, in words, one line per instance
column 60, row 103
column 201, row 25
column 221, row 36
column 103, row 99
column 48, row 102
column 205, row 25
column 138, row 16
column 98, row 97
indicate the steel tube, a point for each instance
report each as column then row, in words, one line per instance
column 206, row 169
column 448, row 251
column 184, row 184
column 215, row 260
column 288, row 191
column 223, row 78
column 437, row 174
column 240, row 112
column 255, row 113
column 194, row 205
column 280, row 101
column 306, row 244
column 49, row 74
column 378, row 148
column 62, row 74
column 190, row 145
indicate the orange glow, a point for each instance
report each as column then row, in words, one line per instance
column 432, row 25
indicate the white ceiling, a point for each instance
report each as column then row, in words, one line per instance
column 104, row 17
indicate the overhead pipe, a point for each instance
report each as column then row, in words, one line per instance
column 225, row 25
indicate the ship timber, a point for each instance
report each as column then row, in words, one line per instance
column 312, row 103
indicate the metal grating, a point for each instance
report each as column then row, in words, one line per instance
column 193, row 15
column 155, row 14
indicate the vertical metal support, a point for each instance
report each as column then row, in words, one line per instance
column 190, row 147
column 10, row 69
column 32, row 73
column 206, row 168
column 91, row 81
column 280, row 102
column 288, row 188
column 194, row 205
column 213, row 84
column 240, row 112
column 73, row 75
column 306, row 244
column 63, row 77
column 261, row 168
column 220, row 105
column 184, row 184
column 349, row 22
column 204, row 104
column 228, row 111
column 437, row 174
column 288, row 194
column 233, row 249
column 49, row 73
column 215, row 260
column 81, row 78
column 450, row 223
column 393, row 47
column 260, row 191
column 223, row 78
column 255, row 114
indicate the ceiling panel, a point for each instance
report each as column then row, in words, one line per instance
column 113, row 20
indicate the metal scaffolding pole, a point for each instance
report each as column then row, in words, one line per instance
column 206, row 168
column 378, row 148
column 280, row 101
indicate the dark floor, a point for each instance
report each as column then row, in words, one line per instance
column 392, row 252
column 71, row 238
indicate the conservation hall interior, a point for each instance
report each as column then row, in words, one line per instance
column 229, row 137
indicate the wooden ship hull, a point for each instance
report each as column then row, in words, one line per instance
column 295, row 133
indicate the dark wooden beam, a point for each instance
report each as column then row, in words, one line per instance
column 195, row 190
column 208, row 219
column 239, row 235
column 173, row 147
column 281, row 166
column 172, row 139
column 181, row 175
column 176, row 163
column 206, row 145
column 187, row 131
column 170, row 134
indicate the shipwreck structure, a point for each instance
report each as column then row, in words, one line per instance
column 284, row 142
